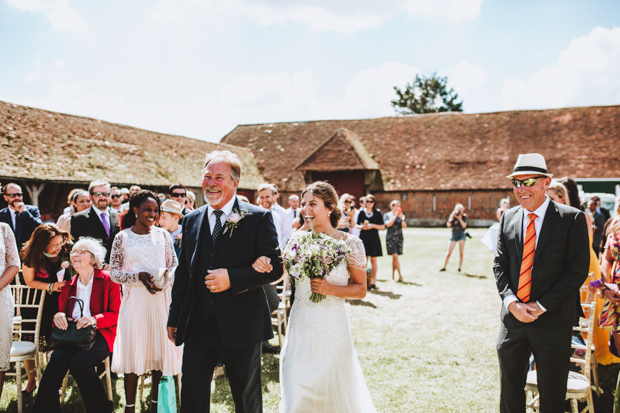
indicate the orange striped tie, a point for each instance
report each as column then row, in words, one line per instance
column 529, row 249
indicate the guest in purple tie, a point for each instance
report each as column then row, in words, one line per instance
column 99, row 221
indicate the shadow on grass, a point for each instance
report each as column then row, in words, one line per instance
column 388, row 294
column 362, row 303
column 480, row 277
column 410, row 283
column 607, row 376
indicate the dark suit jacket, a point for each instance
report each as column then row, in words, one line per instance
column 561, row 263
column 28, row 222
column 241, row 312
column 88, row 224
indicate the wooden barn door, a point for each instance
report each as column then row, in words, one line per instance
column 350, row 182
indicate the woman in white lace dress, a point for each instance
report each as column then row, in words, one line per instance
column 319, row 369
column 141, row 341
column 9, row 267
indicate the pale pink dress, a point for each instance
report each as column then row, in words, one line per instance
column 142, row 343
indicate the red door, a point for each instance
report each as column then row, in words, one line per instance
column 350, row 182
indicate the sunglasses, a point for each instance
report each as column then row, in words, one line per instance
column 370, row 202
column 347, row 202
column 18, row 194
column 100, row 194
column 115, row 196
column 527, row 182
column 177, row 195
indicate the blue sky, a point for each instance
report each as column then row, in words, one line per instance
column 200, row 67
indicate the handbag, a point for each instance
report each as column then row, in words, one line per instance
column 82, row 338
column 160, row 277
column 167, row 402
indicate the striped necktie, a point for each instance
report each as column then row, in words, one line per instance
column 529, row 249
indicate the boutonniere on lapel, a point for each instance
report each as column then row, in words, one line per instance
column 233, row 220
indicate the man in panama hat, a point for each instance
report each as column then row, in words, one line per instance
column 541, row 261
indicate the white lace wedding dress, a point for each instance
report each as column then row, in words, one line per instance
column 319, row 369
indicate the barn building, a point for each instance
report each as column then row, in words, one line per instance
column 431, row 162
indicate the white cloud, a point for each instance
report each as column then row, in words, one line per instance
column 60, row 13
column 167, row 11
column 585, row 74
column 465, row 77
column 345, row 16
column 59, row 63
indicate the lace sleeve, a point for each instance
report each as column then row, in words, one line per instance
column 171, row 258
column 357, row 257
column 12, row 255
column 117, row 256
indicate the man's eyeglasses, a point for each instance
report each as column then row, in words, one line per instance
column 100, row 194
column 116, row 196
column 18, row 194
column 527, row 182
column 177, row 195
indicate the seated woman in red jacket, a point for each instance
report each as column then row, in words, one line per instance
column 102, row 300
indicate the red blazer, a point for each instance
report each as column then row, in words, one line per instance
column 105, row 302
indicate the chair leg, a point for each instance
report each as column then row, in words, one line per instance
column 595, row 374
column 64, row 387
column 142, row 378
column 18, row 379
column 590, row 401
column 574, row 406
column 108, row 378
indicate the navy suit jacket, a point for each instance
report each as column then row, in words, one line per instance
column 241, row 312
column 29, row 220
column 561, row 263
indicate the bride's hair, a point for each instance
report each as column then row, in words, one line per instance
column 328, row 195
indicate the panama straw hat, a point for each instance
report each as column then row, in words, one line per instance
column 529, row 164
column 172, row 206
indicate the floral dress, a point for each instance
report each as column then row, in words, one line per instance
column 394, row 236
column 610, row 312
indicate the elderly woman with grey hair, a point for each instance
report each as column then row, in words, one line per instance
column 102, row 301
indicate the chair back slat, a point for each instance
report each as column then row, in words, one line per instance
column 586, row 328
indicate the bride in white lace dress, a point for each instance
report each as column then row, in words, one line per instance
column 319, row 369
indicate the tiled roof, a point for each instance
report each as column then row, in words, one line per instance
column 448, row 151
column 50, row 146
column 343, row 149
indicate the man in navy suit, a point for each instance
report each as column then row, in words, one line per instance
column 23, row 219
column 219, row 308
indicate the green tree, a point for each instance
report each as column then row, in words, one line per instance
column 427, row 95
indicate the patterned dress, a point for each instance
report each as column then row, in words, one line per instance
column 609, row 312
column 8, row 257
column 394, row 236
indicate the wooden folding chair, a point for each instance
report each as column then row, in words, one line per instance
column 106, row 373
column 25, row 297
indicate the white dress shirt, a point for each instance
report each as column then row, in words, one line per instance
column 226, row 209
column 540, row 217
column 83, row 293
column 286, row 222
column 13, row 216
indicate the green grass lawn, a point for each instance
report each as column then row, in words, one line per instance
column 425, row 345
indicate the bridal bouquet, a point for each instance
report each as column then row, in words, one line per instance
column 313, row 255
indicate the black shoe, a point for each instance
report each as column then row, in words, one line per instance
column 467, row 235
column 268, row 348
column 459, row 270
column 442, row 270
column 373, row 287
column 28, row 393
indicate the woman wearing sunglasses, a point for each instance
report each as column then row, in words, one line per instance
column 370, row 221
